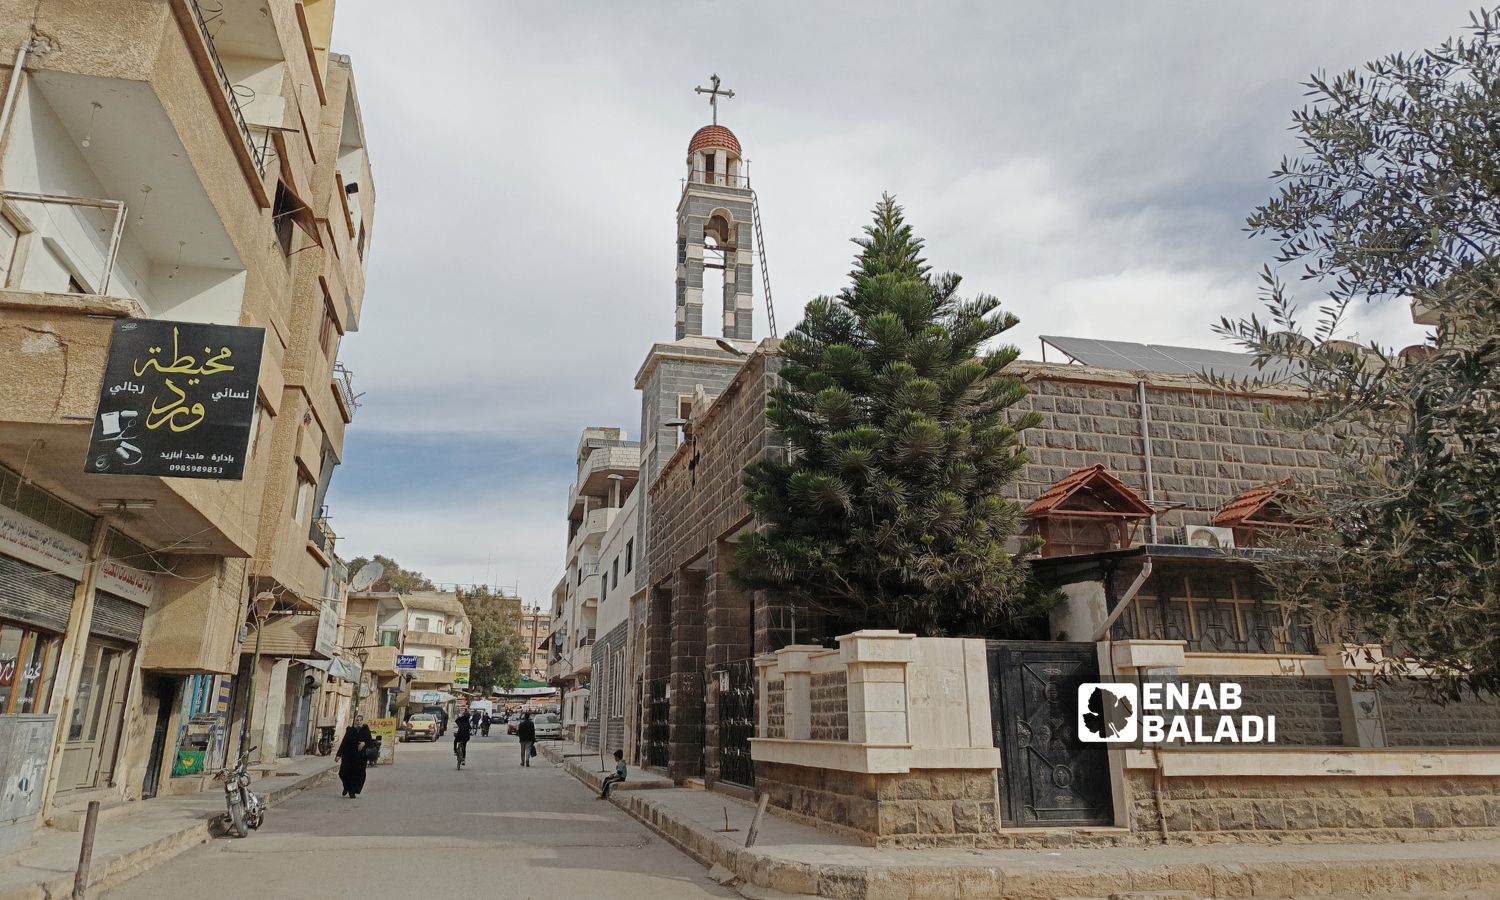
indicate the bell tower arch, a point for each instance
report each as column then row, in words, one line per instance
column 715, row 232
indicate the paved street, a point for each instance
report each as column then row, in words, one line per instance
column 422, row 829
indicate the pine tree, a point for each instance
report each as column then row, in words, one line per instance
column 889, row 510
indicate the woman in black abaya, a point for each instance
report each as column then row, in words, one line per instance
column 351, row 757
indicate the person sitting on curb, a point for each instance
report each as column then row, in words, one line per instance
column 619, row 776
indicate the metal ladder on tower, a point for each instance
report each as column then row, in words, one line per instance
column 760, row 251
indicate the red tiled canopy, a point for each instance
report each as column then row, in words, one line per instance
column 1117, row 499
column 714, row 137
column 1245, row 509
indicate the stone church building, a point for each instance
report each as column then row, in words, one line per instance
column 1154, row 493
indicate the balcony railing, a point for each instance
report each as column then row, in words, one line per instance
column 321, row 534
column 343, row 379
column 234, row 100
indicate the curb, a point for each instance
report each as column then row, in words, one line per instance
column 1300, row 878
column 107, row 874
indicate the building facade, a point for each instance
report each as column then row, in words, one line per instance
column 533, row 628
column 164, row 160
column 607, row 466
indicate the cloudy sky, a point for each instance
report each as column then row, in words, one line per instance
column 1089, row 163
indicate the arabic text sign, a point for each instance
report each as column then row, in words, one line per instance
column 461, row 668
column 178, row 400
column 406, row 662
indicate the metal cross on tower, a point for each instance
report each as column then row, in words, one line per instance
column 714, row 94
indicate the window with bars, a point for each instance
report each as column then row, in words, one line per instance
column 1215, row 612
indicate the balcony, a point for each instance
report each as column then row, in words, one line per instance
column 621, row 458
column 439, row 639
column 581, row 660
column 322, row 538
column 588, row 589
column 592, row 528
column 381, row 661
column 257, row 153
column 343, row 391
column 429, row 678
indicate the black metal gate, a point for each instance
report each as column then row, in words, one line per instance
column 737, row 722
column 1050, row 777
column 658, row 723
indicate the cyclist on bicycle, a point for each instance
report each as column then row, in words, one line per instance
column 461, row 732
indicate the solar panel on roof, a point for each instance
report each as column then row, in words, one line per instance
column 1132, row 357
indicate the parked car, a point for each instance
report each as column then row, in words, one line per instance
column 548, row 727
column 423, row 726
column 512, row 725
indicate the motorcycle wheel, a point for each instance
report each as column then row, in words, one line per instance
column 237, row 824
column 257, row 816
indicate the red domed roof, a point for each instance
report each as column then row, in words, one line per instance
column 714, row 137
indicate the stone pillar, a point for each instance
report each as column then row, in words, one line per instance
column 876, row 661
column 796, row 678
column 685, row 758
column 1352, row 666
column 728, row 638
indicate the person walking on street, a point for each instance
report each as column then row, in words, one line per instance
column 526, row 731
column 619, row 776
column 351, row 757
column 484, row 724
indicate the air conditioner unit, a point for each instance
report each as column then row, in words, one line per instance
column 1208, row 536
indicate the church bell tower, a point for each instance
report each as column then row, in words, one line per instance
column 715, row 230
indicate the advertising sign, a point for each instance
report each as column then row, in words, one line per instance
column 461, row 668
column 406, row 663
column 385, row 729
column 178, row 400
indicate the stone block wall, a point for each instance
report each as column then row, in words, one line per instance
column 1207, row 447
column 830, row 706
column 921, row 808
column 1270, row 809
column 1412, row 719
column 698, row 499
column 1306, row 709
column 776, row 709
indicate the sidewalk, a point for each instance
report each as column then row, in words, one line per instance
column 136, row 836
column 796, row 859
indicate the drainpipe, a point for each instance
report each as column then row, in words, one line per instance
column 1125, row 600
column 1150, row 478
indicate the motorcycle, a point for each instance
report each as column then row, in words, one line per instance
column 246, row 811
column 325, row 740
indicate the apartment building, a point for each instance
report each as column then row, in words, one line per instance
column 608, row 468
column 533, row 627
column 165, row 160
column 437, row 630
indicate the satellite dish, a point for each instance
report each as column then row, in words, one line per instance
column 368, row 574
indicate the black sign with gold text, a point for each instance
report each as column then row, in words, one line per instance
column 178, row 400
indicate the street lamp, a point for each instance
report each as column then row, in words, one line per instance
column 265, row 601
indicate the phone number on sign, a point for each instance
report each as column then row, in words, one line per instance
column 209, row 470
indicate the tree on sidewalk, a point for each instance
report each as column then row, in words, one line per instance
column 889, row 510
column 1395, row 197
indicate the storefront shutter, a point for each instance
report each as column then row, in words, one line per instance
column 34, row 596
column 118, row 618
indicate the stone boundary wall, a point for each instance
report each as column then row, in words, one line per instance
column 776, row 709
column 830, row 706
column 1411, row 719
column 1207, row 447
column 1306, row 709
column 1268, row 809
column 921, row 808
